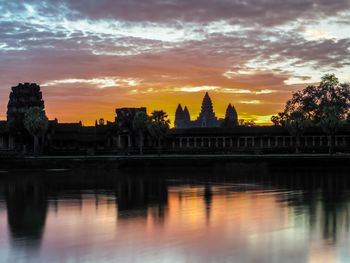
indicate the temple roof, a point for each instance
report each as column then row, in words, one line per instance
column 207, row 108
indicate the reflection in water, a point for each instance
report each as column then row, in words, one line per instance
column 105, row 216
column 26, row 205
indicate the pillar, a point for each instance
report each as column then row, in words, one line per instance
column 224, row 142
column 188, row 142
column 195, row 142
column 129, row 141
column 209, row 142
column 231, row 142
column 202, row 142
column 269, row 142
column 119, row 142
column 246, row 142
column 180, row 142
column 216, row 142
column 284, row 141
column 261, row 142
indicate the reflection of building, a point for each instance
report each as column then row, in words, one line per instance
column 27, row 207
column 136, row 195
column 206, row 118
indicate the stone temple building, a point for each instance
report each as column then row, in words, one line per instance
column 206, row 134
column 206, row 118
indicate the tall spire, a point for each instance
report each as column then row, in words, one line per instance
column 231, row 117
column 187, row 117
column 207, row 106
column 179, row 116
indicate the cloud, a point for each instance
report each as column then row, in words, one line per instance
column 159, row 51
column 312, row 34
column 103, row 82
column 250, row 101
column 197, row 89
column 267, row 12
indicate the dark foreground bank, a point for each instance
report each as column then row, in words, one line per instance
column 224, row 162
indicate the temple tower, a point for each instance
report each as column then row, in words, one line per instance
column 231, row 117
column 207, row 107
column 187, row 117
column 207, row 116
column 22, row 97
column 179, row 117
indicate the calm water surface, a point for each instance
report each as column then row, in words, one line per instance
column 105, row 216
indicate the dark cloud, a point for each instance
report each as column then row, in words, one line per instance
column 266, row 12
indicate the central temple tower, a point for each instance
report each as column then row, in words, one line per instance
column 207, row 116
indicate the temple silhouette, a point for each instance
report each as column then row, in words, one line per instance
column 206, row 134
column 206, row 118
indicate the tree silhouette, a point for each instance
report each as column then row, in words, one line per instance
column 249, row 123
column 279, row 119
column 330, row 121
column 36, row 122
column 326, row 105
column 140, row 124
column 159, row 126
column 297, row 123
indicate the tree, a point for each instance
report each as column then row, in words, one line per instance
column 141, row 123
column 326, row 105
column 159, row 126
column 36, row 122
column 279, row 119
column 297, row 123
column 250, row 123
column 330, row 122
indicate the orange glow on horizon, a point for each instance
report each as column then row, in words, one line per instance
column 91, row 108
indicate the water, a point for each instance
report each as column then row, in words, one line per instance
column 268, row 216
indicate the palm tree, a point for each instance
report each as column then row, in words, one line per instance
column 159, row 126
column 36, row 122
column 141, row 124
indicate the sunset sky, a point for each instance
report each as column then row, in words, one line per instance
column 91, row 57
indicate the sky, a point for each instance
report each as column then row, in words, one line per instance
column 90, row 57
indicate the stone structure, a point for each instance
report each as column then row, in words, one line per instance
column 258, row 139
column 207, row 134
column 124, row 122
column 21, row 98
column 231, row 117
column 206, row 118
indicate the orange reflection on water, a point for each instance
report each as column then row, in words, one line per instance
column 190, row 223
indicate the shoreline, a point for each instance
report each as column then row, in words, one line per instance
column 166, row 161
